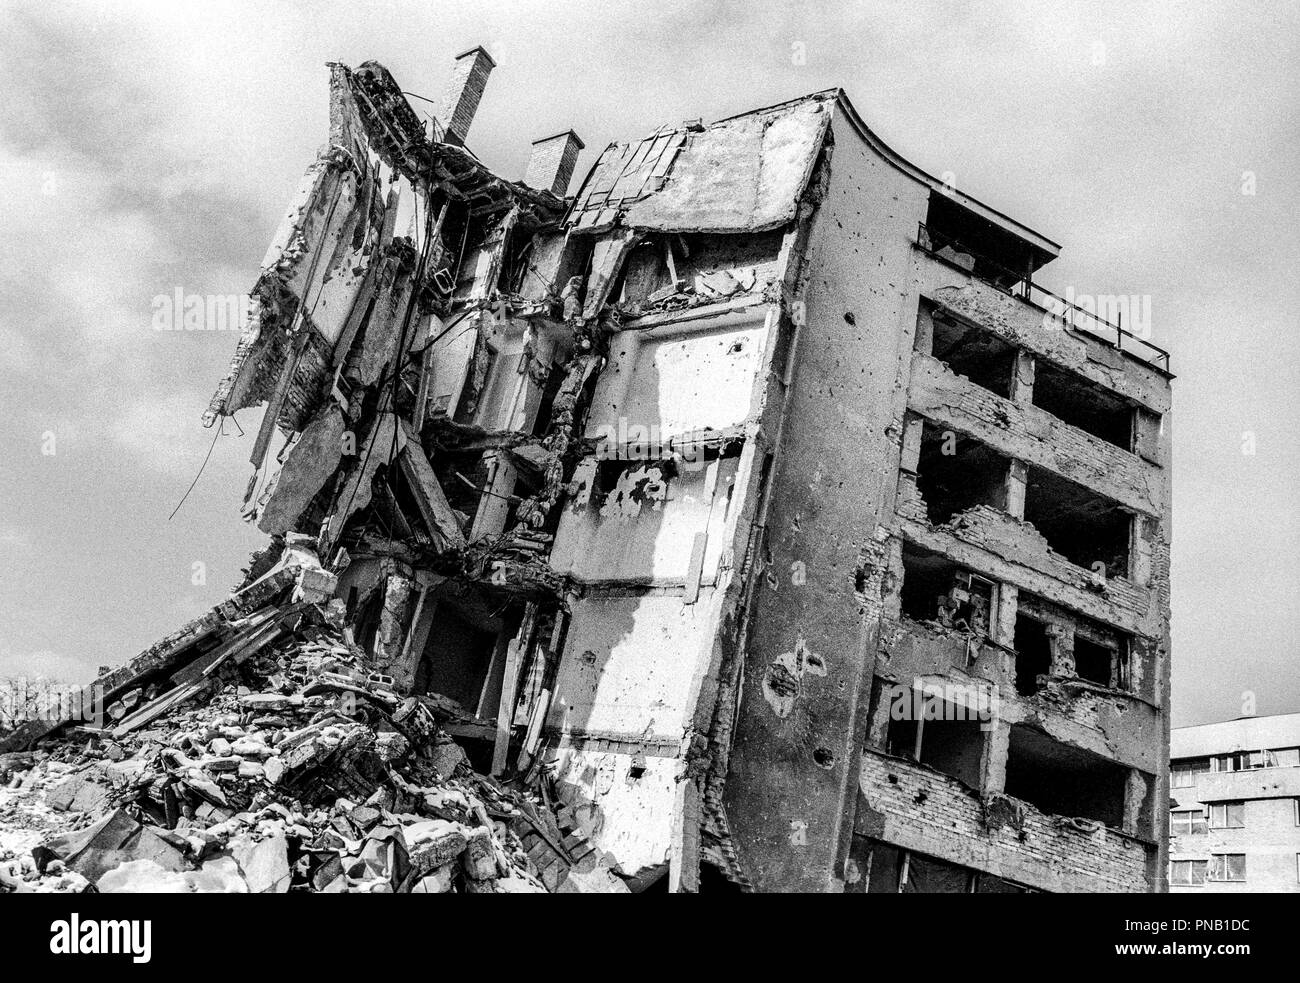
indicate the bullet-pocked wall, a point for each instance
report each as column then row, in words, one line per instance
column 936, row 521
column 794, row 765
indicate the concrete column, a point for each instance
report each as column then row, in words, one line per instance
column 1022, row 378
column 684, row 862
column 924, row 340
column 1147, row 430
column 1135, row 796
column 1061, row 638
column 1017, row 474
column 877, row 730
column 390, row 639
column 911, row 455
column 1004, row 619
column 997, row 745
column 1139, row 551
column 494, row 506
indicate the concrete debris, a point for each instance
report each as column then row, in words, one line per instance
column 282, row 780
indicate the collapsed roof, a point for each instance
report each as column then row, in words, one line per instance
column 743, row 174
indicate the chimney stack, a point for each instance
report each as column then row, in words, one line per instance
column 468, row 80
column 550, row 167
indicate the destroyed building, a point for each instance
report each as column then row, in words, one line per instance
column 1234, row 810
column 660, row 492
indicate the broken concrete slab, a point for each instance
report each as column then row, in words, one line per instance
column 80, row 792
column 264, row 863
column 115, row 839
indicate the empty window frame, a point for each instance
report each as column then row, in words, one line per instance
column 948, row 738
column 979, row 355
column 890, row 870
column 930, row 875
column 1187, row 873
column 1033, row 648
column 955, row 473
column 1093, row 662
column 1082, row 526
column 1227, row 867
column 458, row 654
column 1187, row 821
column 936, row 589
column 1227, row 815
column 1102, row 655
column 1081, row 403
column 972, row 243
column 1063, row 780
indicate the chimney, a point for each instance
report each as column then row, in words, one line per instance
column 551, row 165
column 464, row 90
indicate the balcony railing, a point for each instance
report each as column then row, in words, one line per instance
column 1018, row 284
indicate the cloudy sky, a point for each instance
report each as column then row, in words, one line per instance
column 150, row 147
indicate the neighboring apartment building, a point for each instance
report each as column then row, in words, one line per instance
column 1234, row 808
column 670, row 489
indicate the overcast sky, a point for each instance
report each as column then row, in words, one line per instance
column 145, row 148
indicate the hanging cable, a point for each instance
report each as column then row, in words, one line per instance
column 220, row 429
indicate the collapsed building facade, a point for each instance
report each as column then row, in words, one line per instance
column 670, row 486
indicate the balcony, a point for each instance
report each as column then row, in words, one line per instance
column 1072, row 317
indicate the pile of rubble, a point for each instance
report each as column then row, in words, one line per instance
column 273, row 762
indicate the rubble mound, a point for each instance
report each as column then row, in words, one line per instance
column 282, row 765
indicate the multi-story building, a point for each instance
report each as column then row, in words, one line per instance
column 1234, row 806
column 921, row 472
column 754, row 498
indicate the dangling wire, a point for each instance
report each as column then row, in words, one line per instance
column 219, row 433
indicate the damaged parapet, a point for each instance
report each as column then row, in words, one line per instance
column 669, row 494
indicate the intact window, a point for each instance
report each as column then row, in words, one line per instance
column 1186, row 821
column 1187, row 873
column 1287, row 757
column 1227, row 867
column 1245, row 761
column 1227, row 815
column 1182, row 774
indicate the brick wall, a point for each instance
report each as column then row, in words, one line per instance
column 464, row 90
column 919, row 809
column 551, row 164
